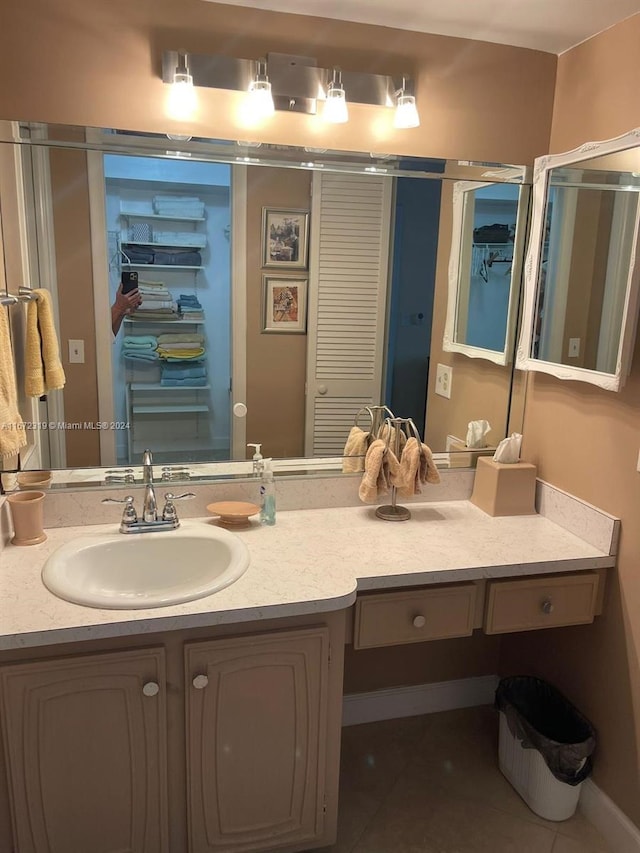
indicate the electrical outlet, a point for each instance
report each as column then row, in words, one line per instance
column 574, row 348
column 443, row 380
column 76, row 352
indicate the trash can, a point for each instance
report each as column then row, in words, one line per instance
column 545, row 745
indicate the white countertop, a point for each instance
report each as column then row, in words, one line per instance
column 311, row 561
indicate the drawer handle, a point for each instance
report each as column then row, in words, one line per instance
column 200, row 682
column 547, row 606
column 151, row 688
column 419, row 621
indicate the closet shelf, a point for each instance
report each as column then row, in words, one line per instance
column 165, row 244
column 162, row 216
column 154, row 386
column 176, row 267
column 141, row 321
column 156, row 410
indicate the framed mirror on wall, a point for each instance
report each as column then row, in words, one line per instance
column 581, row 275
column 104, row 203
column 489, row 232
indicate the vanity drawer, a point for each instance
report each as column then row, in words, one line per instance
column 389, row 619
column 542, row 602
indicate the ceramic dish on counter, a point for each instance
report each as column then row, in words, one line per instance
column 233, row 513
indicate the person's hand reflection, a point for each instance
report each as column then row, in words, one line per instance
column 125, row 303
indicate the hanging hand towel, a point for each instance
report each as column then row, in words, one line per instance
column 354, row 451
column 12, row 432
column 43, row 370
column 380, row 468
column 389, row 433
column 407, row 480
column 428, row 470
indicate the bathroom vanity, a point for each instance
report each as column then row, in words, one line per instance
column 215, row 725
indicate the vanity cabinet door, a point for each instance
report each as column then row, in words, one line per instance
column 256, row 738
column 85, row 740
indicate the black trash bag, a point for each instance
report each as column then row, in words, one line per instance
column 541, row 717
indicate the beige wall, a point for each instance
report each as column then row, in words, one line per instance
column 72, row 239
column 479, row 388
column 276, row 363
column 586, row 440
column 98, row 63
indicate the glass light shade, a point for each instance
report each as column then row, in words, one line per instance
column 335, row 107
column 261, row 99
column 182, row 101
column 406, row 112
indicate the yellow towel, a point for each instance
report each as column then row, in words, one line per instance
column 380, row 468
column 354, row 451
column 182, row 354
column 179, row 338
column 12, row 434
column 43, row 370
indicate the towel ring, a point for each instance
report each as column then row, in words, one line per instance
column 375, row 414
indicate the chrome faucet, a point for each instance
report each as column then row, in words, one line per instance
column 149, row 521
column 150, row 506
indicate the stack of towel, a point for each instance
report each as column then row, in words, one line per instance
column 157, row 302
column 140, row 348
column 182, row 206
column 181, row 347
column 176, row 375
column 190, row 308
column 382, row 470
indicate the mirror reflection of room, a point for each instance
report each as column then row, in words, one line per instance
column 372, row 331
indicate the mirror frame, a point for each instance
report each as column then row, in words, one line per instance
column 524, row 360
column 456, row 285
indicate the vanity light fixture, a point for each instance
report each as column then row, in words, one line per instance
column 335, row 107
column 260, row 96
column 406, row 111
column 293, row 84
column 182, row 100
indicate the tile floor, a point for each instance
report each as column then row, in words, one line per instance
column 431, row 784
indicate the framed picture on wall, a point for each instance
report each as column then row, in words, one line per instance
column 285, row 238
column 284, row 304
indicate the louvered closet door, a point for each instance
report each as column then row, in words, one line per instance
column 348, row 279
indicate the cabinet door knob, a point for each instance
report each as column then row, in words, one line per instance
column 419, row 621
column 547, row 606
column 151, row 688
column 200, row 682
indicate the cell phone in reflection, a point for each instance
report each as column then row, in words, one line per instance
column 129, row 281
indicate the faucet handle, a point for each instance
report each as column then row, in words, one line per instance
column 169, row 512
column 129, row 515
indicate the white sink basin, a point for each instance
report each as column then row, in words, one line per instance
column 137, row 571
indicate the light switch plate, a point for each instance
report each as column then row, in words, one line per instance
column 574, row 348
column 444, row 375
column 76, row 351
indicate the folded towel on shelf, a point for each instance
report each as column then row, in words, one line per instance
column 380, row 468
column 43, row 369
column 354, row 451
column 184, row 383
column 181, row 345
column 140, row 341
column 180, row 371
column 180, row 354
column 180, row 338
column 195, row 359
column 140, row 355
column 146, row 284
column 12, row 430
column 157, row 305
column 162, row 316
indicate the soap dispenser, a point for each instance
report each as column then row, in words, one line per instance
column 258, row 462
column 268, row 495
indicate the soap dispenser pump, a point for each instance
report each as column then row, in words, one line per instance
column 258, row 462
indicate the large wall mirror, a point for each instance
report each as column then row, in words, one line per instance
column 581, row 282
column 283, row 290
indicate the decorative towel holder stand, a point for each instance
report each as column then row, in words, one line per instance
column 393, row 512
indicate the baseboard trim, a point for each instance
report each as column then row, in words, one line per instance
column 620, row 833
column 396, row 702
